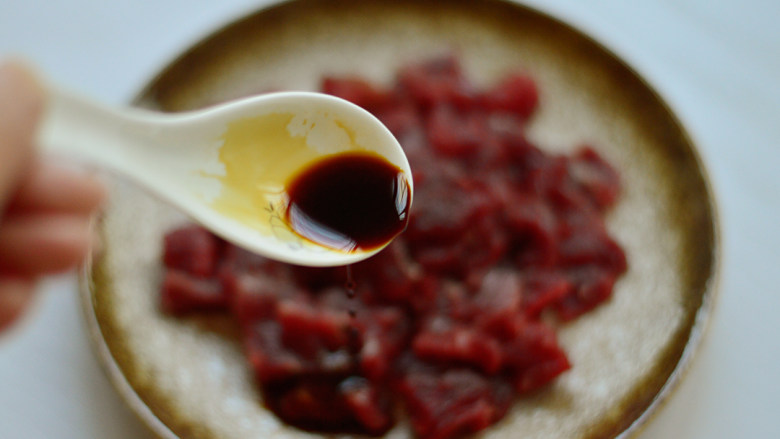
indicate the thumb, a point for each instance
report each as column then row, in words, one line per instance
column 21, row 103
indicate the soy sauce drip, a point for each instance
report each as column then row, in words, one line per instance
column 350, row 287
column 354, row 344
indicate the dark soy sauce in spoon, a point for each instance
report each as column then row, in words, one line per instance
column 349, row 202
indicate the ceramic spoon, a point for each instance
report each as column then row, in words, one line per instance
column 177, row 156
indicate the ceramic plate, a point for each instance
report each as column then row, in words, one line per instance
column 187, row 378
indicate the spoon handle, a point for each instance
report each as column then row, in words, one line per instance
column 75, row 126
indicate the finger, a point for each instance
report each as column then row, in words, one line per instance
column 16, row 295
column 21, row 102
column 33, row 245
column 48, row 187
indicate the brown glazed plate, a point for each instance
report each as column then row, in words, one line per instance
column 187, row 378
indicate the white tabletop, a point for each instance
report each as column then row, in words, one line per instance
column 716, row 62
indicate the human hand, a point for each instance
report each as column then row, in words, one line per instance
column 45, row 209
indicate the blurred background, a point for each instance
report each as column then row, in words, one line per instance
column 716, row 62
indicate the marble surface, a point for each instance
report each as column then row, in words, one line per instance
column 715, row 62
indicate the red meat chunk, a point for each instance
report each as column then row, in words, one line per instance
column 368, row 404
column 331, row 404
column 384, row 333
column 543, row 289
column 532, row 355
column 310, row 403
column 534, row 224
column 451, row 403
column 550, row 180
column 479, row 247
column 309, row 329
column 458, row 344
column 540, row 373
column 595, row 177
column 454, row 227
column 522, row 155
column 271, row 360
column 437, row 81
column 391, row 274
column 277, row 353
column 191, row 249
column 453, row 134
column 592, row 285
column 591, row 245
column 516, row 93
column 446, row 204
column 183, row 293
column 255, row 296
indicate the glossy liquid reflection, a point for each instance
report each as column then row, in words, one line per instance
column 349, row 202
